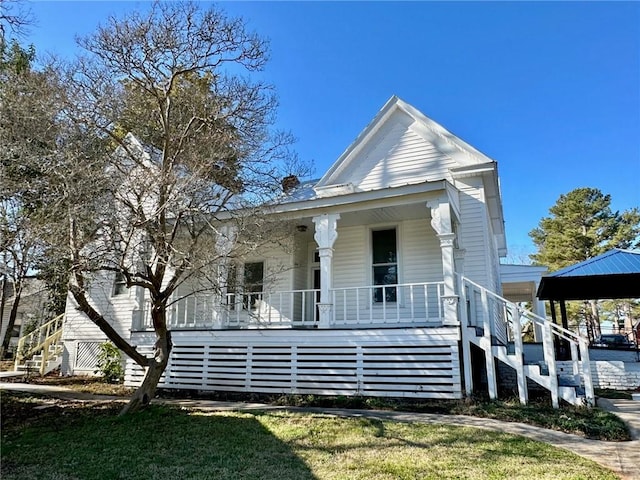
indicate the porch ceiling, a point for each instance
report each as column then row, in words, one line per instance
column 519, row 291
column 380, row 215
column 386, row 214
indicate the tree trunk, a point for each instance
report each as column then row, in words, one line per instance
column 13, row 314
column 595, row 315
column 3, row 301
column 145, row 393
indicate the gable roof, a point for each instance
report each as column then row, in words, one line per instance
column 463, row 154
column 614, row 274
column 402, row 146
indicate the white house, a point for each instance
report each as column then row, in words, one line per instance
column 391, row 286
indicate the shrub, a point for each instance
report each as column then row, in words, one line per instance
column 110, row 363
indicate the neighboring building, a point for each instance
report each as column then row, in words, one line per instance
column 32, row 308
column 391, row 284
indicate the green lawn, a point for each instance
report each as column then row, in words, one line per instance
column 79, row 442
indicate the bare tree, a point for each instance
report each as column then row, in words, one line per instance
column 164, row 161
column 27, row 111
column 15, row 17
column 20, row 248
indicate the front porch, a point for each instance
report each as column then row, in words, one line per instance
column 369, row 262
column 398, row 346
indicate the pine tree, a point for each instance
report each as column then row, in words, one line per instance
column 581, row 226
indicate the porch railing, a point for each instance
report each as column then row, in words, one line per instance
column 375, row 305
column 294, row 308
column 408, row 303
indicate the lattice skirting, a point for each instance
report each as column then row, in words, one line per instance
column 86, row 355
column 419, row 363
column 80, row 356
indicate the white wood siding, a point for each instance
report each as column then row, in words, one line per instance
column 301, row 259
column 473, row 232
column 420, row 252
column 417, row 363
column 350, row 257
column 398, row 156
column 80, row 335
column 419, row 260
column 117, row 310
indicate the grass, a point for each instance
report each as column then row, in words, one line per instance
column 79, row 383
column 65, row 441
column 591, row 423
column 615, row 394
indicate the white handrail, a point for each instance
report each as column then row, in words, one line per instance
column 418, row 303
column 39, row 341
column 240, row 310
column 511, row 319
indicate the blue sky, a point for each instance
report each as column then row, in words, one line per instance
column 550, row 90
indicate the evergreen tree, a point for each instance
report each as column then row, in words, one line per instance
column 581, row 226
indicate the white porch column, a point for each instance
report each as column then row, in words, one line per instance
column 539, row 309
column 441, row 223
column 227, row 235
column 325, row 236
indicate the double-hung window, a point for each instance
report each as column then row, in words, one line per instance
column 248, row 286
column 119, row 284
column 253, row 283
column 385, row 264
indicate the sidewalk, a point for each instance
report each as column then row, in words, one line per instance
column 621, row 457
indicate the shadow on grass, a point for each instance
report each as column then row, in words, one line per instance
column 366, row 448
column 159, row 443
column 50, row 439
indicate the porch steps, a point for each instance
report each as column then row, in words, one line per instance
column 54, row 360
column 568, row 387
column 41, row 350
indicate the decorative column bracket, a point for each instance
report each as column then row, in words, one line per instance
column 442, row 225
column 325, row 236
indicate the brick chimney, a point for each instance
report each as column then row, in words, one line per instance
column 289, row 183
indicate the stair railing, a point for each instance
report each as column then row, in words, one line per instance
column 502, row 320
column 40, row 340
column 578, row 347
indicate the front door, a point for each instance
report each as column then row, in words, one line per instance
column 316, row 286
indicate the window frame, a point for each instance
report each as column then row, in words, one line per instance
column 236, row 284
column 119, row 287
column 372, row 266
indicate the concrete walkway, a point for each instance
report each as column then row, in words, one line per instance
column 621, row 457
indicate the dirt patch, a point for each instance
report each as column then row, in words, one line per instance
column 21, row 410
column 7, row 365
column 79, row 383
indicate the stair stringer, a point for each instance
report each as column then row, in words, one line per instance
column 531, row 371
